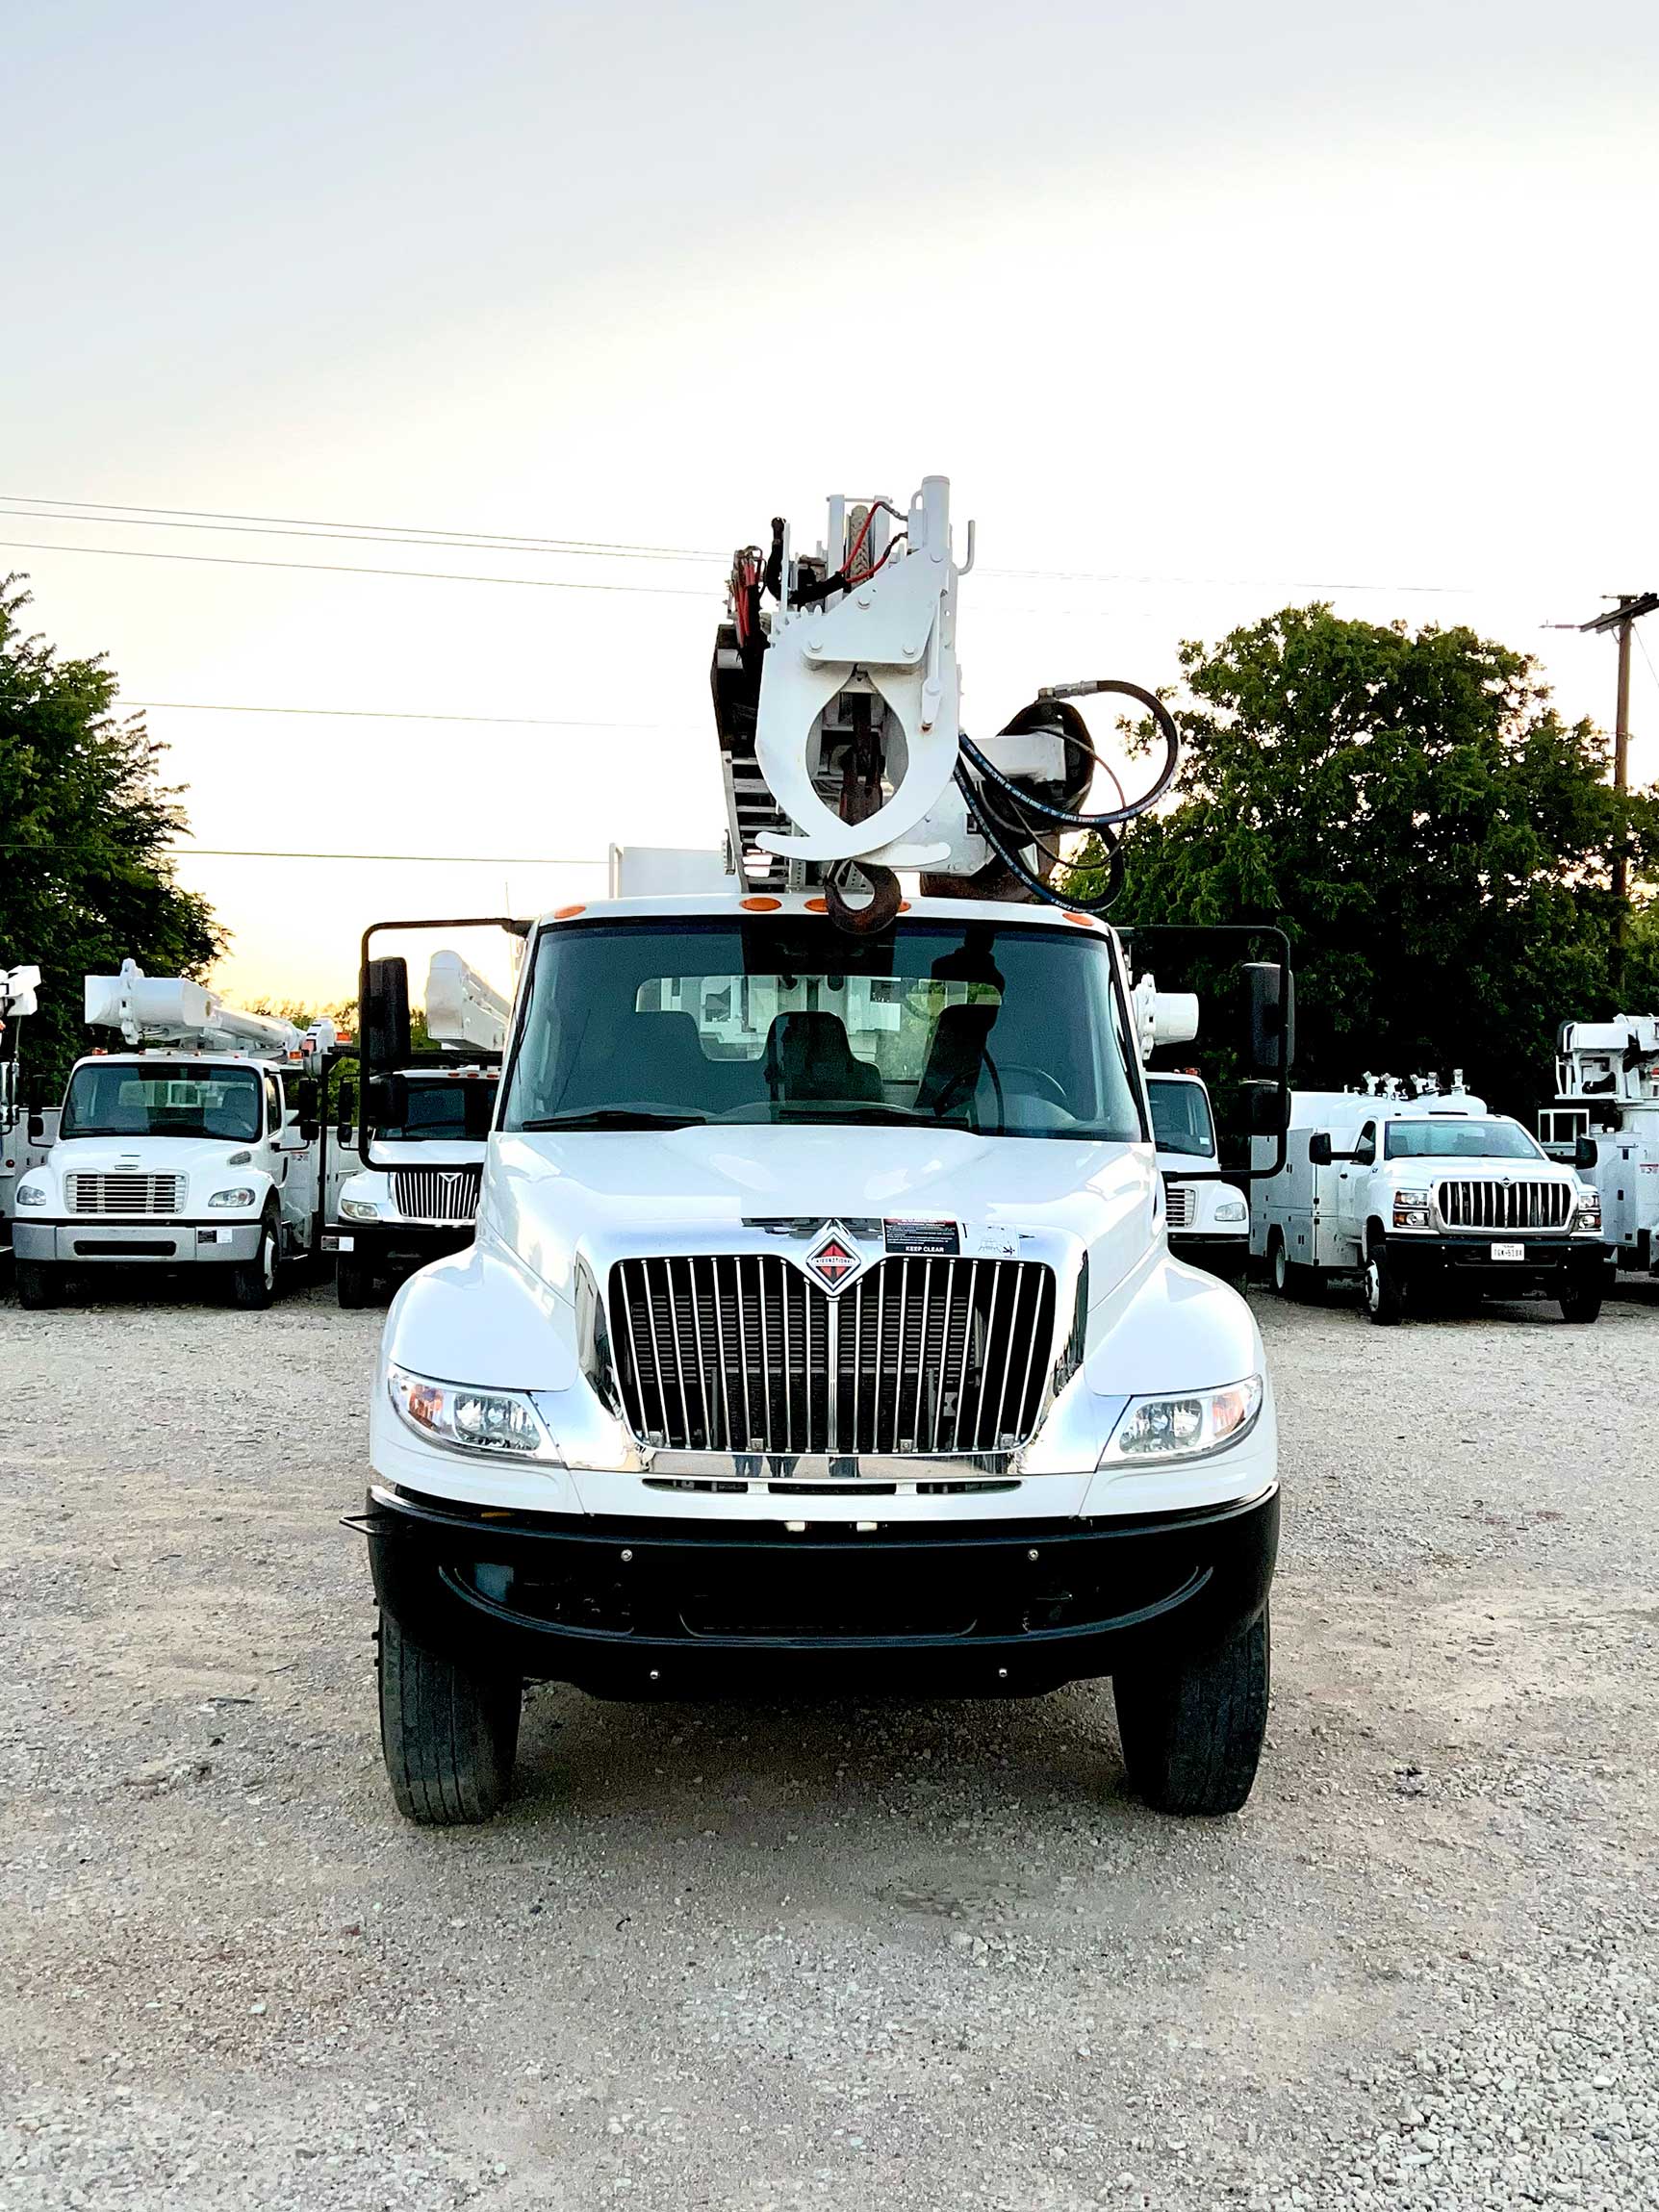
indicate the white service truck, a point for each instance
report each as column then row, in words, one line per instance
column 821, row 1326
column 199, row 1145
column 420, row 1198
column 1208, row 1222
column 1416, row 1189
column 1605, row 1122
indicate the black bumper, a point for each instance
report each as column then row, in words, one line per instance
column 384, row 1247
column 685, row 1608
column 1228, row 1256
column 1550, row 1261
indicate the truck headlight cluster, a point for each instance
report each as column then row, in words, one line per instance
column 1231, row 1209
column 31, row 1194
column 500, row 1422
column 1414, row 1208
column 359, row 1209
column 1587, row 1216
column 1155, row 1431
column 241, row 1197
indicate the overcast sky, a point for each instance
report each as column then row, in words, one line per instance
column 1209, row 306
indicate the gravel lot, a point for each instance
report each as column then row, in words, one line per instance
column 848, row 1954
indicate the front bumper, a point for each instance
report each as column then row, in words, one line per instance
column 1215, row 1253
column 641, row 1608
column 91, row 1241
column 382, row 1246
column 1548, row 1259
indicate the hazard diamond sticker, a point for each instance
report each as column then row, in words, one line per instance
column 834, row 1259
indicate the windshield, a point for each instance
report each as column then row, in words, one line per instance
column 1181, row 1117
column 435, row 1109
column 1010, row 1031
column 123, row 1097
column 1449, row 1139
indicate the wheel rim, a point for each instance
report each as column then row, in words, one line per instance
column 1281, row 1267
column 267, row 1259
column 1373, row 1286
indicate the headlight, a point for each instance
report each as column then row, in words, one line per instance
column 359, row 1209
column 501, row 1422
column 1231, row 1209
column 241, row 1196
column 1414, row 1208
column 1588, row 1215
column 1155, row 1431
column 31, row 1194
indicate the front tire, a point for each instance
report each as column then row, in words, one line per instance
column 1581, row 1301
column 1193, row 1735
column 1384, row 1293
column 448, row 1736
column 40, row 1285
column 253, row 1281
column 352, row 1284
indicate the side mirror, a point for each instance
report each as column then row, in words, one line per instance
column 346, row 1109
column 37, row 1128
column 1269, row 1111
column 478, row 1107
column 386, row 1102
column 1584, row 1153
column 1319, row 1148
column 383, row 1014
column 1272, row 1016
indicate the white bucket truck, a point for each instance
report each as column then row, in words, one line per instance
column 821, row 1325
column 197, row 1146
column 1605, row 1121
column 420, row 1198
column 1209, row 1221
column 1414, row 1188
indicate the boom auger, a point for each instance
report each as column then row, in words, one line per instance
column 837, row 698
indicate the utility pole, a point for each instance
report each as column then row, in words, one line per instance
column 1622, row 620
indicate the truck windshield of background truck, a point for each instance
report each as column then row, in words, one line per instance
column 1181, row 1118
column 436, row 1108
column 1006, row 1030
column 1450, row 1140
column 123, row 1097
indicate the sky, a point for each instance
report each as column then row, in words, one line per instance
column 1204, row 310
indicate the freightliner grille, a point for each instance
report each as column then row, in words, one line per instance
column 1491, row 1205
column 734, row 1354
column 1178, row 1204
column 435, row 1193
column 125, row 1194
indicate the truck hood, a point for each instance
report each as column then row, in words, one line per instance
column 606, row 1195
column 191, row 1157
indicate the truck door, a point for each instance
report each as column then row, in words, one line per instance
column 1352, row 1181
column 280, row 1162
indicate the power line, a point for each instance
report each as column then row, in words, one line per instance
column 268, row 852
column 345, row 568
column 388, row 714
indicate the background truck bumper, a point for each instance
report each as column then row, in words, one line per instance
column 653, row 1608
column 396, row 1247
column 91, row 1242
column 1228, row 1256
column 1549, row 1260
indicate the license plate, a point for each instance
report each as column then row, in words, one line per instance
column 212, row 1236
column 332, row 1243
column 1509, row 1251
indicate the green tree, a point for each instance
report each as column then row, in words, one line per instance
column 86, row 875
column 1411, row 808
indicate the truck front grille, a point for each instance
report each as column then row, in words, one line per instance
column 1178, row 1205
column 1494, row 1205
column 744, row 1353
column 438, row 1194
column 125, row 1194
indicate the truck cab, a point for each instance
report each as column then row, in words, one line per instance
column 423, row 1201
column 1208, row 1222
column 1413, row 1193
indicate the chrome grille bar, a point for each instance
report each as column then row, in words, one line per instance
column 957, row 1351
column 1487, row 1203
column 444, row 1194
column 132, row 1193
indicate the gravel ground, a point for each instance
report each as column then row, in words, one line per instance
column 754, row 1956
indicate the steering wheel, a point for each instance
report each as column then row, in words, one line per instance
column 1042, row 1075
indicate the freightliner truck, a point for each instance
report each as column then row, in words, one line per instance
column 821, row 1325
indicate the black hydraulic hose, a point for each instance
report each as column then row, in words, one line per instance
column 984, row 766
column 1094, row 904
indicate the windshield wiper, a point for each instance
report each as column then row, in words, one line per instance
column 615, row 1117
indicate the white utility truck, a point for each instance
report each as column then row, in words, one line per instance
column 1605, row 1121
column 421, row 1199
column 821, row 1325
column 198, row 1145
column 1415, row 1188
column 1208, row 1222
column 19, row 998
